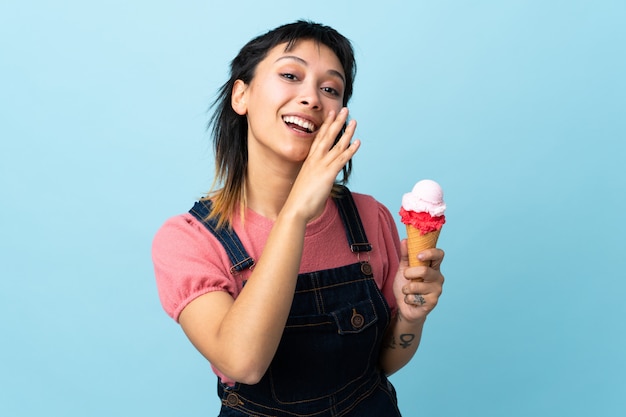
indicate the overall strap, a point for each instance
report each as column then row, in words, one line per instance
column 226, row 235
column 352, row 221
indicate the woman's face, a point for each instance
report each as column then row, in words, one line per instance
column 288, row 98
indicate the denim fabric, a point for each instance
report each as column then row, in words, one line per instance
column 227, row 237
column 326, row 364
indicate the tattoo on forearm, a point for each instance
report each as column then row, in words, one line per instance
column 406, row 339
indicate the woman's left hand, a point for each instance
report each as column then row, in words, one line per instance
column 417, row 289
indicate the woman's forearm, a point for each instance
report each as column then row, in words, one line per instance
column 400, row 344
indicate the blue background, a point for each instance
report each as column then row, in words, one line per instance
column 516, row 107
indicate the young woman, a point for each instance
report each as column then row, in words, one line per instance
column 297, row 291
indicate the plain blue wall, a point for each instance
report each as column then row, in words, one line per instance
column 516, row 107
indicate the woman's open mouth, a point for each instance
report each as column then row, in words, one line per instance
column 300, row 124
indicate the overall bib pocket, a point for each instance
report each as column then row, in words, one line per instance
column 329, row 350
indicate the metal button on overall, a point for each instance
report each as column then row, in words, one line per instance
column 357, row 319
column 232, row 399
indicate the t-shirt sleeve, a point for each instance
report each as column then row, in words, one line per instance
column 188, row 262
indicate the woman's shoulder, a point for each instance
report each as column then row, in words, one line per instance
column 181, row 227
column 370, row 206
column 364, row 198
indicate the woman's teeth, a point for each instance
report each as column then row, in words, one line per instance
column 304, row 124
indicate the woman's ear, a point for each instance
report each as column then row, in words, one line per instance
column 238, row 98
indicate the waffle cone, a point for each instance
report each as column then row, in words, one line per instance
column 418, row 243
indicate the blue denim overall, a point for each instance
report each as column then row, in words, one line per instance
column 326, row 364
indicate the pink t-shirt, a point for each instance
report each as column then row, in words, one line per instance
column 189, row 261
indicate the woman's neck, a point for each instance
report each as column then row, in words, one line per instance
column 267, row 188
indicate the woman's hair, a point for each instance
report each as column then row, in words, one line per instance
column 230, row 130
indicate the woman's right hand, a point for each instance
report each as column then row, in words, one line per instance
column 322, row 165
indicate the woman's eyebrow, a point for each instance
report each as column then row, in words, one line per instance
column 303, row 62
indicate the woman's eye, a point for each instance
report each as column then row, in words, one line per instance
column 289, row 76
column 330, row 90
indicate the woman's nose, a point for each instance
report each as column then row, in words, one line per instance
column 310, row 97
